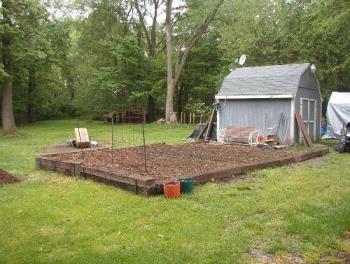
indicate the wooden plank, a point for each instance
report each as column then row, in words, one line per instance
column 238, row 134
column 201, row 178
column 215, row 174
column 281, row 147
column 119, row 176
column 81, row 137
column 137, row 189
column 200, row 134
column 210, row 125
column 306, row 137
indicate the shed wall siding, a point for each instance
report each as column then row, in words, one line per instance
column 259, row 113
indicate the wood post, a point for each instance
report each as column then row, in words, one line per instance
column 210, row 124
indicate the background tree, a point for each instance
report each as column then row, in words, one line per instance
column 8, row 31
column 173, row 73
column 280, row 32
column 37, row 54
column 111, row 54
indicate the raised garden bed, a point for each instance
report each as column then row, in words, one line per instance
column 202, row 162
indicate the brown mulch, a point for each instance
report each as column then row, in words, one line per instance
column 169, row 161
column 6, row 178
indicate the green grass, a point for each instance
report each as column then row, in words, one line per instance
column 301, row 210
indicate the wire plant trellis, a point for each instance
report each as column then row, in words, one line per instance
column 125, row 136
column 128, row 130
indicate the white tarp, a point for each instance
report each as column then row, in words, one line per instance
column 338, row 112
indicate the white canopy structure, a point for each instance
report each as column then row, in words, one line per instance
column 338, row 112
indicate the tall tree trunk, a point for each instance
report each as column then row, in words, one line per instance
column 8, row 120
column 150, row 108
column 180, row 97
column 172, row 78
column 31, row 90
column 70, row 85
column 169, row 106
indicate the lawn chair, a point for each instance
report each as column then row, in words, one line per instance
column 254, row 138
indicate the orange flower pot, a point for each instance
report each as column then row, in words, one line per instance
column 171, row 189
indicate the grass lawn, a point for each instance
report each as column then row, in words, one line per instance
column 300, row 212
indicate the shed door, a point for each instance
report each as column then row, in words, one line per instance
column 308, row 114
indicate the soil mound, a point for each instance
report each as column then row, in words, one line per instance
column 5, row 178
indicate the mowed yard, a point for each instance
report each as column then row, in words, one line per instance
column 294, row 214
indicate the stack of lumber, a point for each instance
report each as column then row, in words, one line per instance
column 237, row 134
column 129, row 116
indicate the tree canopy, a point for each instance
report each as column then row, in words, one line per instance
column 87, row 57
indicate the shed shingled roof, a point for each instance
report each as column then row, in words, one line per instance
column 263, row 80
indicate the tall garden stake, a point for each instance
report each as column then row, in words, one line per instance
column 112, row 147
column 144, row 142
column 81, row 146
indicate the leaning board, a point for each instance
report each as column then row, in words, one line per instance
column 81, row 137
column 306, row 138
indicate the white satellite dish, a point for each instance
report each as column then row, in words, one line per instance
column 313, row 68
column 242, row 59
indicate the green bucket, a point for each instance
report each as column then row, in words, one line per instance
column 186, row 185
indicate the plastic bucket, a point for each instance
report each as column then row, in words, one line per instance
column 186, row 185
column 171, row 189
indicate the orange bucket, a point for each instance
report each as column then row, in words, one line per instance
column 171, row 189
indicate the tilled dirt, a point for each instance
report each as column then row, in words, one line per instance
column 5, row 178
column 170, row 161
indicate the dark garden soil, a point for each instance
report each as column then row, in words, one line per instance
column 5, row 178
column 170, row 161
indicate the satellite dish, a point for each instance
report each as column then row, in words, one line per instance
column 242, row 59
column 313, row 68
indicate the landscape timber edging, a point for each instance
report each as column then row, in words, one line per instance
column 240, row 169
column 117, row 178
column 148, row 185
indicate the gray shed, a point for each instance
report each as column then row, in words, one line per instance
column 256, row 97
